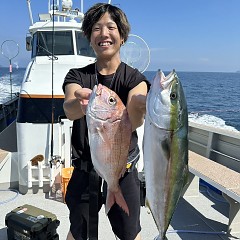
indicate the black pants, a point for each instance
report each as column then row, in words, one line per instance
column 124, row 226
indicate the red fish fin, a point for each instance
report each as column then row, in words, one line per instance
column 121, row 202
column 122, row 172
column 109, row 201
column 119, row 199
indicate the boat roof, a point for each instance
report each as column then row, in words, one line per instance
column 44, row 26
column 58, row 16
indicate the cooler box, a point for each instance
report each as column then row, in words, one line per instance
column 31, row 223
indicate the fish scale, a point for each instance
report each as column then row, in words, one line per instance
column 165, row 148
column 109, row 132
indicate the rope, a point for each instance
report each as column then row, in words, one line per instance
column 10, row 199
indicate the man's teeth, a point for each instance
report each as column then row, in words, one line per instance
column 104, row 44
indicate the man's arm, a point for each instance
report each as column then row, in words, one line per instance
column 136, row 105
column 76, row 100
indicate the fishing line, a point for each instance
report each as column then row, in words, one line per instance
column 197, row 232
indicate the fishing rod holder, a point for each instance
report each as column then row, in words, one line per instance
column 56, row 159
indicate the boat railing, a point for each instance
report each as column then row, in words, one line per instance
column 222, row 146
column 8, row 112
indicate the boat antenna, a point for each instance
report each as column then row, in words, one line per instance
column 82, row 6
column 30, row 11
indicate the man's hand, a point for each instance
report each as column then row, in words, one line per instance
column 83, row 95
column 76, row 101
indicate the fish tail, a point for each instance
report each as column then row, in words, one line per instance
column 109, row 201
column 118, row 198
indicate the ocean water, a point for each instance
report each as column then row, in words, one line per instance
column 212, row 97
column 5, row 82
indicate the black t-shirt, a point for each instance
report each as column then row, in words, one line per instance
column 125, row 79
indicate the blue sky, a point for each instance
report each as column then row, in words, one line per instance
column 188, row 35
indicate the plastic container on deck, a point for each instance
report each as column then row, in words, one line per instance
column 28, row 222
column 66, row 175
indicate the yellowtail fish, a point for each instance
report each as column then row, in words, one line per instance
column 109, row 131
column 165, row 148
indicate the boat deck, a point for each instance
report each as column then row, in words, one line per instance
column 196, row 218
column 3, row 155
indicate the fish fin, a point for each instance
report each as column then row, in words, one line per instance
column 109, row 201
column 119, row 199
column 123, row 171
column 186, row 180
column 102, row 134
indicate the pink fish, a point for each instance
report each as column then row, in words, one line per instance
column 109, row 131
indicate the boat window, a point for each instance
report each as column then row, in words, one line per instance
column 62, row 43
column 83, row 45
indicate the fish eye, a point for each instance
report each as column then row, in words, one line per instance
column 112, row 100
column 173, row 95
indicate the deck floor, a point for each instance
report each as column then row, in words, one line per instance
column 195, row 218
column 3, row 155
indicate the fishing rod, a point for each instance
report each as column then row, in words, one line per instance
column 53, row 158
column 52, row 60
